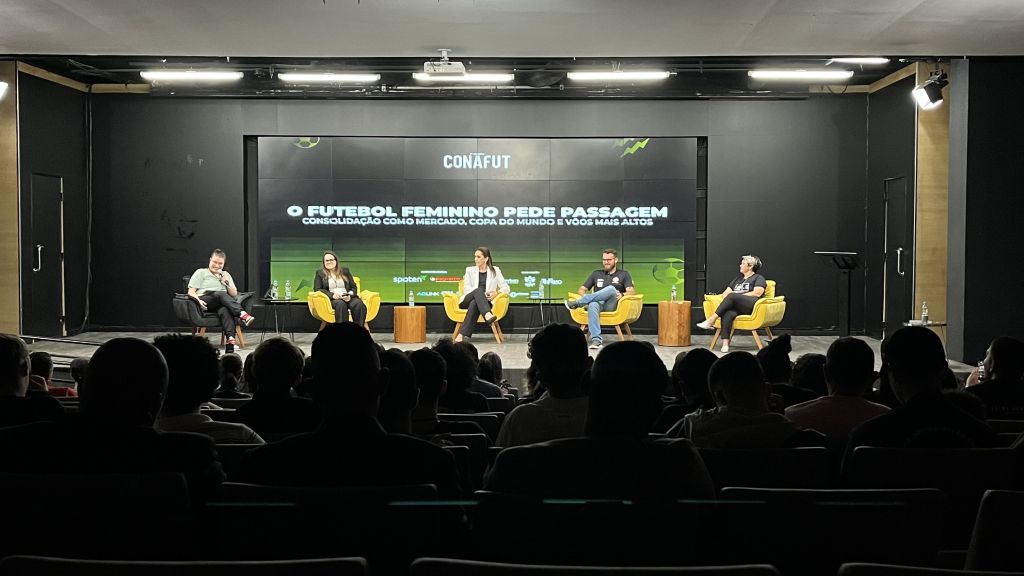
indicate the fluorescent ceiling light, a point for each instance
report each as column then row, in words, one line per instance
column 482, row 78
column 3, row 89
column 860, row 60
column 191, row 75
column 802, row 75
column 620, row 75
column 328, row 77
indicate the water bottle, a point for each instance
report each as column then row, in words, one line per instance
column 924, row 312
column 412, row 298
column 273, row 290
column 981, row 370
column 287, row 289
column 673, row 292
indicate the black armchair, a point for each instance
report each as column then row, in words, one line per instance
column 190, row 314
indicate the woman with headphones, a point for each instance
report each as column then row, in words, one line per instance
column 740, row 296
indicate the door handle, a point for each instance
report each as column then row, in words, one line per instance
column 899, row 261
column 39, row 258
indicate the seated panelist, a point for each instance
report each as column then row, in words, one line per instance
column 480, row 285
column 337, row 283
column 739, row 298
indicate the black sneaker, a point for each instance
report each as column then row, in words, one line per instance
column 569, row 304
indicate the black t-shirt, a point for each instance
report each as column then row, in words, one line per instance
column 741, row 285
column 598, row 279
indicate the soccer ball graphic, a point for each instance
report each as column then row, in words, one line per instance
column 306, row 142
column 669, row 271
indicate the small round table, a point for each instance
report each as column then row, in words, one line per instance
column 674, row 323
column 410, row 324
column 273, row 304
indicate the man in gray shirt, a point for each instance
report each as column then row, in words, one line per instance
column 215, row 291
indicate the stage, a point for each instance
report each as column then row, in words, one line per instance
column 512, row 351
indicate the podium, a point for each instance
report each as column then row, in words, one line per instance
column 845, row 262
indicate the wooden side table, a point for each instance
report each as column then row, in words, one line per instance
column 410, row 324
column 674, row 323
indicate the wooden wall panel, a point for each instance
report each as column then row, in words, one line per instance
column 10, row 281
column 932, row 210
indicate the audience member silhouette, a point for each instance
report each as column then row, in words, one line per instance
column 461, row 373
column 689, row 379
column 916, row 362
column 490, row 370
column 809, row 374
column 15, row 368
column 402, row 394
column 193, row 371
column 274, row 411
column 1002, row 391
column 742, row 418
column 616, row 458
column 350, row 448
column 849, row 371
column 778, row 371
column 79, row 368
column 248, row 383
column 481, row 385
column 431, row 372
column 231, row 367
column 113, row 432
column 558, row 354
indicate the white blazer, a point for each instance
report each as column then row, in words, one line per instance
column 495, row 281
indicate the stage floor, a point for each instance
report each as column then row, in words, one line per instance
column 512, row 351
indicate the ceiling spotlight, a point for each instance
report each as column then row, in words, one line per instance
column 191, row 75
column 3, row 90
column 867, row 61
column 328, row 77
column 619, row 75
column 928, row 94
column 801, row 75
column 468, row 77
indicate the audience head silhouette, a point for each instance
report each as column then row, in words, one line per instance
column 736, row 381
column 347, row 371
column 490, row 368
column 79, row 367
column 15, row 366
column 558, row 354
column 849, row 367
column 401, row 396
column 774, row 359
column 1005, row 359
column 42, row 365
column 461, row 368
column 126, row 383
column 809, row 373
column 276, row 368
column 430, row 375
column 916, row 361
column 193, row 371
column 690, row 376
column 626, row 384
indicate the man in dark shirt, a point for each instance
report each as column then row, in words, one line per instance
column 916, row 362
column 350, row 448
column 275, row 411
column 431, row 371
column 1002, row 391
column 15, row 407
column 609, row 284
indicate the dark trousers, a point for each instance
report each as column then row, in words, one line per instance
column 355, row 305
column 475, row 303
column 227, row 308
column 732, row 306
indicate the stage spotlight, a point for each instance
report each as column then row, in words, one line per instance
column 928, row 94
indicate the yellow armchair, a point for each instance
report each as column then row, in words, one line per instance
column 768, row 311
column 627, row 311
column 499, row 307
column 321, row 309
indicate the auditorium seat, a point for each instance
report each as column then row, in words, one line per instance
column 321, row 308
column 489, row 421
column 626, row 312
column 450, row 567
column 866, row 569
column 230, row 455
column 477, row 444
column 768, row 312
column 1006, row 426
column 964, row 474
column 998, row 533
column 770, row 468
column 504, row 404
column 43, row 566
column 814, row 531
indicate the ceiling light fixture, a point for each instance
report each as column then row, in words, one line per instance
column 619, row 75
column 928, row 94
column 469, row 77
column 863, row 60
column 328, row 77
column 3, row 90
column 801, row 75
column 191, row 75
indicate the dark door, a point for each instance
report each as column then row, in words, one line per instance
column 897, row 290
column 43, row 293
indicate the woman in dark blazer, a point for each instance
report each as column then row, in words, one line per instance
column 337, row 283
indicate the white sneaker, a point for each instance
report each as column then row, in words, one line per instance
column 247, row 318
column 725, row 348
column 569, row 304
column 595, row 344
column 705, row 325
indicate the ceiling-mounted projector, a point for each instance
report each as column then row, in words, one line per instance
column 444, row 67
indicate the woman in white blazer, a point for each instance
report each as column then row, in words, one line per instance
column 480, row 285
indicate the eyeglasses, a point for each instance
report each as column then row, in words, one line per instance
column 329, row 260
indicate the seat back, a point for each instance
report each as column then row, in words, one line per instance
column 450, row 567
column 489, row 421
column 998, row 533
column 503, row 404
column 769, row 468
column 477, row 445
column 42, row 566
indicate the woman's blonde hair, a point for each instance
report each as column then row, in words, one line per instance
column 753, row 261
